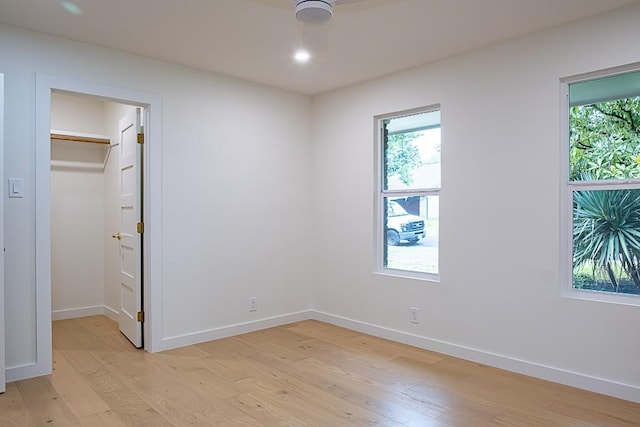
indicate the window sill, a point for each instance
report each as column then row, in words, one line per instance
column 599, row 296
column 403, row 274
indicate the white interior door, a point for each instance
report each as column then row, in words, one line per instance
column 130, row 234
column 2, row 357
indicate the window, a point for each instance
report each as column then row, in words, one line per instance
column 408, row 193
column 603, row 184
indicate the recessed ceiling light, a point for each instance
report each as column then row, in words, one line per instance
column 71, row 7
column 302, row 56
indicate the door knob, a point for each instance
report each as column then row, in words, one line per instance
column 117, row 236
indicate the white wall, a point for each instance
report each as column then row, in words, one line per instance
column 80, row 114
column 499, row 296
column 234, row 183
column 77, row 209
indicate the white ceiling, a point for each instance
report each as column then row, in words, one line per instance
column 255, row 39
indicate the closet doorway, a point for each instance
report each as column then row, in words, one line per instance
column 96, row 211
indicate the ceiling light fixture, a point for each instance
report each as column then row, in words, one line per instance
column 314, row 11
column 302, row 56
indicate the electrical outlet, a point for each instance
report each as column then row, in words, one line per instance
column 253, row 304
column 415, row 318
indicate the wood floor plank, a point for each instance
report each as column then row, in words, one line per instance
column 117, row 393
column 93, row 332
column 303, row 374
column 298, row 401
column 346, row 396
column 102, row 419
column 13, row 411
column 167, row 391
column 244, row 421
column 73, row 388
column 590, row 416
column 210, row 382
column 513, row 418
column 264, row 412
column 44, row 403
column 304, row 399
column 366, row 365
column 230, row 366
column 228, row 346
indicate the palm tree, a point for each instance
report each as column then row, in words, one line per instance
column 606, row 233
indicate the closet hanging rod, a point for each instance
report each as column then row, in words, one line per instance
column 80, row 138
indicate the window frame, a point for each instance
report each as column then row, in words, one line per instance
column 568, row 187
column 380, row 194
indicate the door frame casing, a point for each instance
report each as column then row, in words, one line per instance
column 151, row 103
column 2, row 319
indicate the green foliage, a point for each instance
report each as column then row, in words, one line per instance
column 403, row 156
column 605, row 145
column 605, row 140
column 606, row 233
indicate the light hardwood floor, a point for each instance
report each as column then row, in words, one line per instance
column 304, row 374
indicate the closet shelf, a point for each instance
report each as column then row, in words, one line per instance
column 94, row 139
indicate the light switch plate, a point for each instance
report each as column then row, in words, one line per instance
column 16, row 188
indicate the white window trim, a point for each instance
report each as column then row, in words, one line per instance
column 379, row 195
column 566, row 196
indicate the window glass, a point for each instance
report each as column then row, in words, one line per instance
column 605, row 140
column 606, row 240
column 410, row 193
column 413, row 154
column 412, row 240
column 604, row 183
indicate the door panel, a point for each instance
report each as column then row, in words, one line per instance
column 130, row 239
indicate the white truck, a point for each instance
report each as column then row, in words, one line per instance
column 402, row 225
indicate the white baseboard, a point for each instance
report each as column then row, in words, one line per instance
column 72, row 313
column 574, row 379
column 110, row 313
column 232, row 330
column 31, row 370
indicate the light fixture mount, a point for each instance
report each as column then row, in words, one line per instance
column 314, row 11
